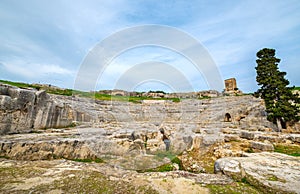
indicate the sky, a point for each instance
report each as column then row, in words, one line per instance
column 50, row 42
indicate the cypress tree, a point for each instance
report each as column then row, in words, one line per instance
column 282, row 106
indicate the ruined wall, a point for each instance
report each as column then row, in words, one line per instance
column 230, row 84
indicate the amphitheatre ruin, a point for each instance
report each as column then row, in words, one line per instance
column 54, row 143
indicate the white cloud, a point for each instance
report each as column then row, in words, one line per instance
column 29, row 70
column 35, row 37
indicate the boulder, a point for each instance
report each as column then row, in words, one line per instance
column 295, row 138
column 247, row 135
column 262, row 146
column 271, row 172
column 275, row 139
column 231, row 137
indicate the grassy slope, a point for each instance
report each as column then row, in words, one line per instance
column 70, row 92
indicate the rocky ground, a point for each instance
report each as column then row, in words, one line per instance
column 218, row 145
column 65, row 176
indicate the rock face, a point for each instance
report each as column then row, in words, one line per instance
column 22, row 110
column 272, row 172
column 262, row 146
column 46, row 150
column 127, row 135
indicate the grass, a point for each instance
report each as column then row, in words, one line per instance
column 94, row 95
column 5, row 157
column 238, row 187
column 51, row 90
column 250, row 150
column 204, row 97
column 19, row 84
column 164, row 154
column 71, row 181
column 165, row 167
column 205, row 160
column 162, row 168
column 273, row 178
column 234, row 188
column 176, row 160
column 97, row 160
column 292, row 150
column 95, row 182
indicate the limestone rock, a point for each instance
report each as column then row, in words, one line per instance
column 229, row 167
column 295, row 138
column 262, row 146
column 22, row 110
column 272, row 172
column 231, row 137
column 247, row 135
column 46, row 150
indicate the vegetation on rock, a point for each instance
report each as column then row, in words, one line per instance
column 292, row 150
column 96, row 95
column 235, row 188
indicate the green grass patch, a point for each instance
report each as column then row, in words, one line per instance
column 162, row 168
column 292, row 150
column 164, row 154
column 5, row 157
column 250, row 150
column 95, row 95
column 204, row 97
column 273, row 178
column 234, row 188
column 48, row 89
column 205, row 160
column 19, row 84
column 97, row 160
column 70, row 181
column 297, row 88
column 244, row 180
column 176, row 160
column 165, row 167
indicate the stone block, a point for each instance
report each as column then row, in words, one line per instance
column 247, row 135
column 295, row 138
column 262, row 146
column 231, row 137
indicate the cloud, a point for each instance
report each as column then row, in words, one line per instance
column 29, row 70
column 131, row 59
column 57, row 36
column 237, row 32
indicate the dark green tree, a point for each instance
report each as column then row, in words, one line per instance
column 282, row 105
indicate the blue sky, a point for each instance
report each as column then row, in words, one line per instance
column 46, row 42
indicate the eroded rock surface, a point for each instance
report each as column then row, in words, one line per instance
column 127, row 137
column 22, row 110
column 272, row 172
column 64, row 176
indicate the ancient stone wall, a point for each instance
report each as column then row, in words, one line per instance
column 230, row 84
